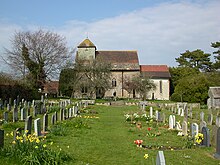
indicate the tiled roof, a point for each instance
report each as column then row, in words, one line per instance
column 155, row 71
column 86, row 43
column 120, row 60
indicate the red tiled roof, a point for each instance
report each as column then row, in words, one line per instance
column 154, row 68
column 155, row 71
column 120, row 59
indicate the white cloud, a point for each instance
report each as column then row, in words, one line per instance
column 158, row 33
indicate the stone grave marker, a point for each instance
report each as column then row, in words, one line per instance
column 8, row 107
column 28, row 125
column 184, row 128
column 217, row 154
column 23, row 114
column 214, row 135
column 56, row 116
column 45, row 122
column 163, row 118
column 178, row 126
column 1, row 138
column 182, row 112
column 171, row 122
column 15, row 114
column 202, row 124
column 217, row 121
column 61, row 114
column 210, row 119
column 179, row 111
column 160, row 158
column 194, row 129
column 206, row 136
column 151, row 112
column 156, row 115
column 37, row 127
column 70, row 112
column 202, row 116
column 53, row 119
column 5, row 115
column 34, row 110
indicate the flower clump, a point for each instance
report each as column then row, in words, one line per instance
column 138, row 142
column 199, row 138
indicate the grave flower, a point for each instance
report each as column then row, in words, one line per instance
column 138, row 142
column 199, row 138
column 146, row 156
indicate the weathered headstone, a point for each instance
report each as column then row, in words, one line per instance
column 178, row 126
column 179, row 111
column 23, row 114
column 184, row 128
column 206, row 136
column 202, row 116
column 45, row 122
column 151, row 112
column 5, row 114
column 202, row 124
column 61, row 114
column 28, row 125
column 37, row 127
column 217, row 154
column 15, row 114
column 156, row 115
column 182, row 112
column 34, row 110
column 70, row 112
column 160, row 158
column 194, row 129
column 210, row 119
column 8, row 107
column 217, row 122
column 56, row 116
column 171, row 122
column 1, row 138
column 163, row 118
column 53, row 119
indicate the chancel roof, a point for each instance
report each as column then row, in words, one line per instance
column 155, row 71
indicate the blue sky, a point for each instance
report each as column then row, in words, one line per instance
column 158, row 29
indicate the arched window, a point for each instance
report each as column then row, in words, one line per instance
column 114, row 83
column 84, row 89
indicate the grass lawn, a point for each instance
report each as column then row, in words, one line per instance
column 109, row 140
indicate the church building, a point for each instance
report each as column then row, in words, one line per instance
column 125, row 65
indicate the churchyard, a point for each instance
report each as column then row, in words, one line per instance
column 82, row 132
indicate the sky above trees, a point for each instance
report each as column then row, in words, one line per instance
column 159, row 30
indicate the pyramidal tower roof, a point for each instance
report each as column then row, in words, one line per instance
column 86, row 43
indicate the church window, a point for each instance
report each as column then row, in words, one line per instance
column 161, row 87
column 114, row 83
column 84, row 89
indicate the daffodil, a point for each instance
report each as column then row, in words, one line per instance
column 11, row 133
column 36, row 147
column 44, row 145
column 37, row 140
column 14, row 142
column 26, row 131
column 146, row 156
column 7, row 134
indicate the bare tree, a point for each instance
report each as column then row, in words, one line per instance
column 41, row 51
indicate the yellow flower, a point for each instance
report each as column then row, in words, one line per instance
column 146, row 156
column 34, row 134
column 68, row 146
column 44, row 145
column 51, row 143
column 60, row 149
column 21, row 141
column 17, row 137
column 37, row 140
column 7, row 134
column 36, row 147
column 14, row 142
column 171, row 149
column 26, row 131
column 11, row 133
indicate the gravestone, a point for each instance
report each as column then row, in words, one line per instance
column 8, row 107
column 151, row 112
column 174, row 121
column 217, row 121
column 190, row 112
column 163, row 118
column 23, row 114
column 70, row 112
column 206, row 136
column 156, row 115
column 15, row 114
column 194, row 129
column 184, row 128
column 210, row 119
column 45, row 122
column 37, row 127
column 34, row 110
column 28, row 125
column 202, row 124
column 171, row 122
column 217, row 154
column 1, row 138
column 53, row 119
column 182, row 112
column 56, row 116
column 202, row 116
column 160, row 158
column 5, row 114
column 179, row 111
column 61, row 114
column 178, row 126
column 214, row 135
